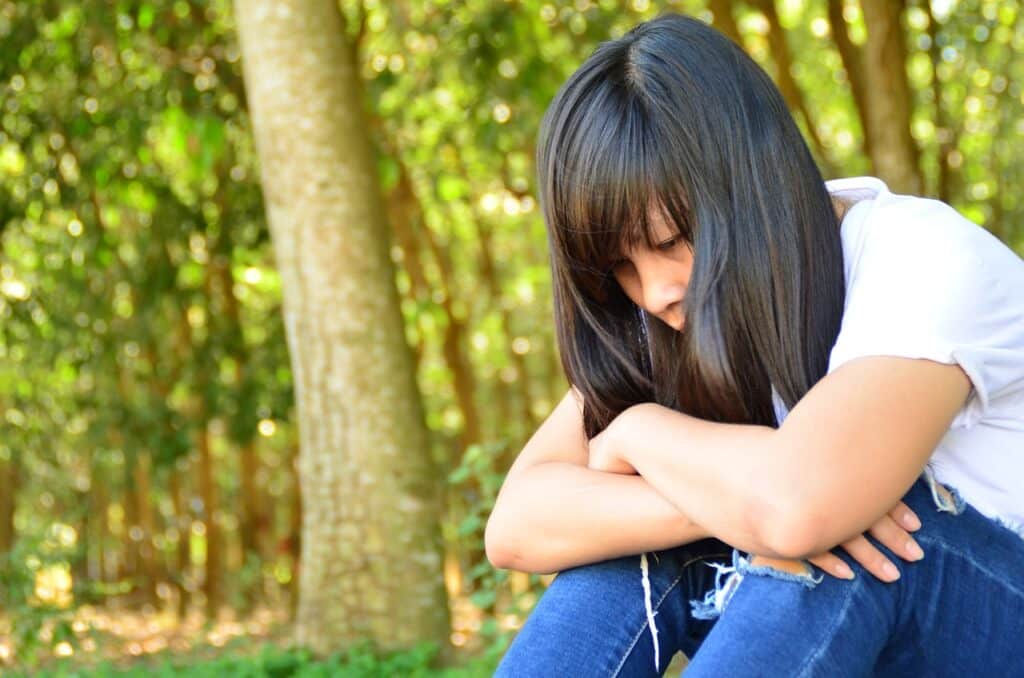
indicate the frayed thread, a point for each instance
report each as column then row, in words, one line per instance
column 808, row 579
column 715, row 600
column 645, row 581
column 954, row 503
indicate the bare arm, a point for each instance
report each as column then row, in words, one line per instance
column 849, row 449
column 553, row 512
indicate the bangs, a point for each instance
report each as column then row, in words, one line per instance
column 614, row 171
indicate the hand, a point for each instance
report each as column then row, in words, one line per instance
column 606, row 450
column 891, row 531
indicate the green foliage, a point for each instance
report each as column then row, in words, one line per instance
column 273, row 662
column 473, row 487
column 37, row 624
column 139, row 302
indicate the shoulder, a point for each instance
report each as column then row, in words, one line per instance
column 910, row 247
column 925, row 282
column 917, row 231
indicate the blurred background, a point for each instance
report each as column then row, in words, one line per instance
column 151, row 499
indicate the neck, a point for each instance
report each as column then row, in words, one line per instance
column 841, row 207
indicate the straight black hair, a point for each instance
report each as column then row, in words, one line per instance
column 674, row 117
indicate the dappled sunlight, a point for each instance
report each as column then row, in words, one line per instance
column 251, row 315
column 126, row 634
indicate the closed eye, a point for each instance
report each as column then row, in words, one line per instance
column 669, row 244
column 663, row 246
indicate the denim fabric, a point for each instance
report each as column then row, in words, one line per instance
column 958, row 612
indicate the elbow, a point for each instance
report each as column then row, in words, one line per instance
column 789, row 529
column 785, row 512
column 505, row 549
column 496, row 544
column 791, row 538
column 501, row 546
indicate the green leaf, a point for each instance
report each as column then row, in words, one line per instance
column 451, row 187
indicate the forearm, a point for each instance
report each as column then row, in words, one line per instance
column 848, row 450
column 718, row 474
column 557, row 515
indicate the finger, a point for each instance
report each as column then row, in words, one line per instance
column 896, row 539
column 903, row 515
column 833, row 565
column 873, row 560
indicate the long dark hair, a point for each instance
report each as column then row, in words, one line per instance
column 675, row 117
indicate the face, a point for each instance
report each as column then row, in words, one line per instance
column 655, row 278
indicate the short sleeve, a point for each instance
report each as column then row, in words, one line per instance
column 925, row 282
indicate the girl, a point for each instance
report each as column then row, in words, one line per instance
column 763, row 360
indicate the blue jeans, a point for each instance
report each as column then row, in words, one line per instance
column 957, row 612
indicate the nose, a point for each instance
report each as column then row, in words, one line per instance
column 662, row 289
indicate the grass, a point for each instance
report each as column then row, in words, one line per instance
column 276, row 662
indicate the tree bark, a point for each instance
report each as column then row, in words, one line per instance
column 128, row 565
column 99, row 495
column 723, row 20
column 254, row 518
column 8, row 496
column 853, row 65
column 788, row 85
column 208, row 490
column 404, row 217
column 141, row 476
column 371, row 551
column 181, row 559
column 894, row 154
column 292, row 543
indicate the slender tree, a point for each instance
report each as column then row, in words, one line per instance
column 8, row 492
column 852, row 65
column 894, row 153
column 371, row 556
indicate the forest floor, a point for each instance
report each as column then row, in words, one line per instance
column 125, row 637
column 133, row 637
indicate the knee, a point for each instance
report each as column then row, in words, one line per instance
column 772, row 571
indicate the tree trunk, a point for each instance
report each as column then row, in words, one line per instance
column 141, row 472
column 181, row 559
column 255, row 522
column 723, row 20
column 788, row 85
column 453, row 346
column 214, row 566
column 254, row 511
column 292, row 544
column 100, row 500
column 371, row 552
column 893, row 151
column 853, row 65
column 129, row 562
column 405, row 217
column 8, row 496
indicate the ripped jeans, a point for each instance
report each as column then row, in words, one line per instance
column 957, row 612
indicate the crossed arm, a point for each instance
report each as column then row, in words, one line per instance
column 843, row 457
column 559, row 507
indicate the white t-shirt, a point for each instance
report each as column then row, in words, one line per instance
column 922, row 281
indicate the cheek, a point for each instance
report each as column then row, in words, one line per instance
column 630, row 285
column 687, row 264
